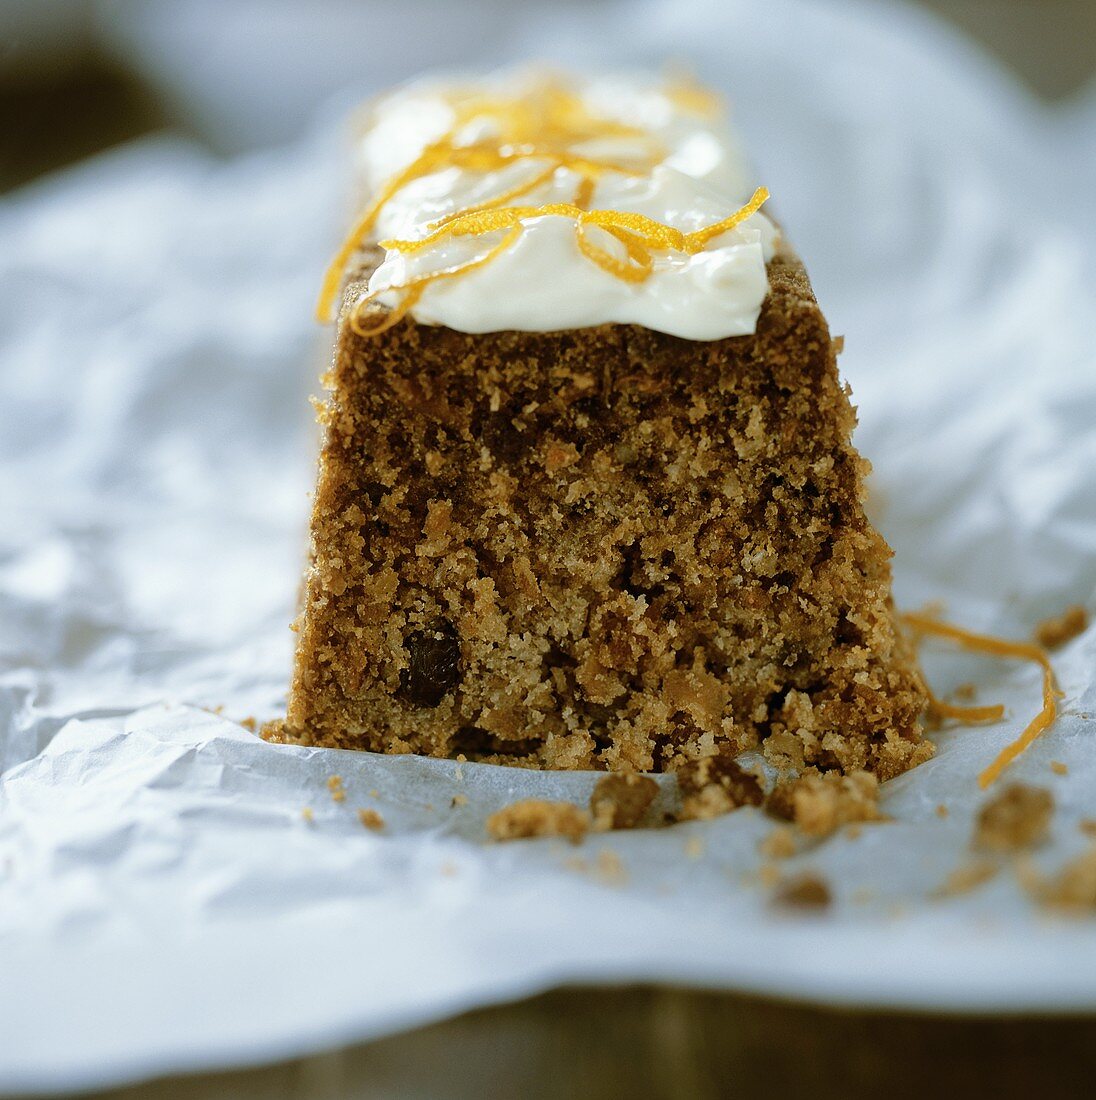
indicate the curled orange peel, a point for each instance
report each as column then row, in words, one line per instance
column 994, row 647
column 412, row 291
column 640, row 235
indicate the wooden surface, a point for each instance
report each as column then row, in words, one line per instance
column 680, row 1045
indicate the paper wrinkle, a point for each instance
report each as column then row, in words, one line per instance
column 164, row 904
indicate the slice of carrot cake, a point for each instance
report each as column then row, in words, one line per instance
column 587, row 496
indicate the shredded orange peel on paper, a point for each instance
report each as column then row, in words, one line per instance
column 541, row 126
column 995, row 647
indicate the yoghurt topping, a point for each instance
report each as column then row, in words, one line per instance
column 524, row 202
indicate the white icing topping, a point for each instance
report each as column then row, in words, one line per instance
column 544, row 282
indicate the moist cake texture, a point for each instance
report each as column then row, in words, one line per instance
column 606, row 547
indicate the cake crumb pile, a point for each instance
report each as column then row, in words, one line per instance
column 535, row 817
column 714, row 786
column 822, row 802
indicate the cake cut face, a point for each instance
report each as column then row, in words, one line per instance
column 627, row 545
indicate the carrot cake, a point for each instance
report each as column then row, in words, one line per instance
column 587, row 496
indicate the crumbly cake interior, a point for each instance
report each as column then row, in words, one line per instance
column 606, row 548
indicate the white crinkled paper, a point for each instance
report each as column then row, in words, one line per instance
column 163, row 903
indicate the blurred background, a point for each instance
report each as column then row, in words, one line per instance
column 77, row 76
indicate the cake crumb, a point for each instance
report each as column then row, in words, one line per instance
column 250, row 723
column 373, row 792
column 275, row 732
column 458, row 800
column 1055, row 631
column 806, row 891
column 335, row 786
column 371, row 820
column 779, row 844
column 1073, row 888
column 966, row 878
column 1059, row 768
column 534, row 817
column 308, row 815
column 1087, row 825
column 610, row 868
column 606, row 866
column 694, row 848
column 620, row 801
column 716, row 785
column 941, row 810
column 965, row 693
column 768, row 875
column 821, row 803
column 1016, row 819
column 1028, row 875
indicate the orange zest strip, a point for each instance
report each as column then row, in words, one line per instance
column 696, row 241
column 584, row 194
column 996, row 647
column 636, row 271
column 337, row 268
column 970, row 715
column 516, row 192
column 413, row 290
column 411, row 294
column 442, row 154
column 639, row 234
column 476, row 223
column 685, row 93
column 549, row 108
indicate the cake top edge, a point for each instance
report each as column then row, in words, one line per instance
column 534, row 200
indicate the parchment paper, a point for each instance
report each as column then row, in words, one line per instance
column 163, row 902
